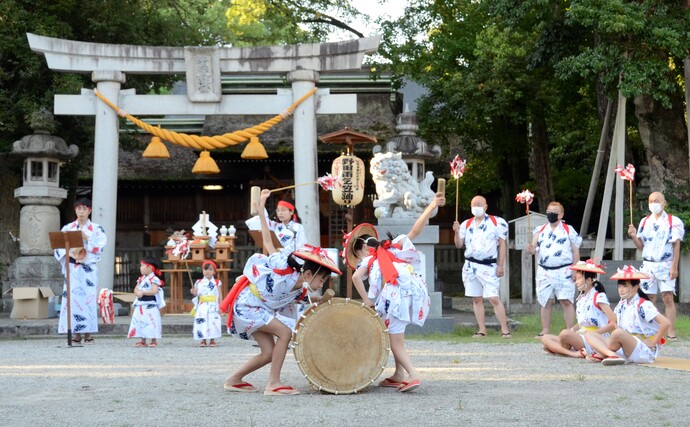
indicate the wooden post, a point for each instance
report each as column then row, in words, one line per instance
column 526, row 277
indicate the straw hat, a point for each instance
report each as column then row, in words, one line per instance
column 589, row 266
column 317, row 255
column 628, row 272
column 349, row 242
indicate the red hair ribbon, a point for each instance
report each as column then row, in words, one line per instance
column 386, row 259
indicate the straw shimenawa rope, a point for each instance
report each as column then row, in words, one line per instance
column 207, row 142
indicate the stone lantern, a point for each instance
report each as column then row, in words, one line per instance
column 40, row 195
column 415, row 151
column 403, row 189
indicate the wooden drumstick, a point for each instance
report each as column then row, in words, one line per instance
column 441, row 186
column 255, row 195
column 327, row 295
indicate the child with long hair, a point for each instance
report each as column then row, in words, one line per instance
column 268, row 288
column 146, row 316
column 592, row 309
column 641, row 328
column 397, row 292
column 286, row 224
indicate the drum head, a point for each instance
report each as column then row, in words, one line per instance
column 341, row 346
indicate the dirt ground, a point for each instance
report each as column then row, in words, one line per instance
column 111, row 383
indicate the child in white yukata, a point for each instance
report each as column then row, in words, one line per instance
column 397, row 292
column 593, row 314
column 206, row 291
column 146, row 316
column 286, row 226
column 641, row 327
column 269, row 286
column 83, row 265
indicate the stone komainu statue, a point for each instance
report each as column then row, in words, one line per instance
column 399, row 195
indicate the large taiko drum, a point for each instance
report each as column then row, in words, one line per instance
column 341, row 346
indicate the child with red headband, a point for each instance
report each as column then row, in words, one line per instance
column 267, row 288
column 206, row 291
column 146, row 316
column 286, row 225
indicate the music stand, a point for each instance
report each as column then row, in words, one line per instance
column 67, row 240
column 258, row 239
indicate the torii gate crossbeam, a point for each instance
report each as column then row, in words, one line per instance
column 203, row 66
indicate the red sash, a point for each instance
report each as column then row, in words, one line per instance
column 228, row 302
column 386, row 259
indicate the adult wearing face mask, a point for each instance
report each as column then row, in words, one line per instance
column 658, row 237
column 484, row 237
column 558, row 247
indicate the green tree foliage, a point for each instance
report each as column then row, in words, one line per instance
column 276, row 22
column 524, row 81
column 26, row 83
column 643, row 42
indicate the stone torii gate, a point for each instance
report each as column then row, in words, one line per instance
column 109, row 64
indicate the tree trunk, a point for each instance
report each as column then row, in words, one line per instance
column 10, row 178
column 664, row 136
column 542, row 166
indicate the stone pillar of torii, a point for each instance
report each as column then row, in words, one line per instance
column 110, row 63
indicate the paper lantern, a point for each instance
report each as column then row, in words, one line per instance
column 348, row 171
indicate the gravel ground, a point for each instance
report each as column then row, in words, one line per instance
column 111, row 383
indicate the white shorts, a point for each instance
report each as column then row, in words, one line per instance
column 554, row 284
column 660, row 273
column 395, row 325
column 480, row 280
column 641, row 353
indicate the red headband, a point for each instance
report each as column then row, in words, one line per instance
column 287, row 205
column 153, row 267
column 209, row 262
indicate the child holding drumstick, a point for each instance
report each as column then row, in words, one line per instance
column 268, row 287
column 399, row 293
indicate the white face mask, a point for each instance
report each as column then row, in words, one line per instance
column 655, row 208
column 477, row 211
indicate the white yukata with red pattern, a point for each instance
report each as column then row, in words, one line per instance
column 406, row 301
column 146, row 315
column 589, row 315
column 277, row 296
column 207, row 324
column 83, row 281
